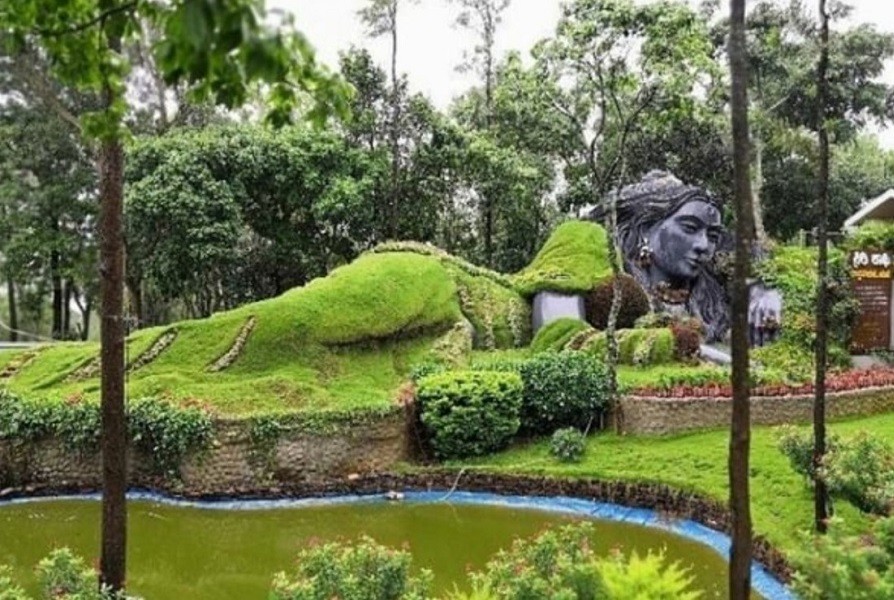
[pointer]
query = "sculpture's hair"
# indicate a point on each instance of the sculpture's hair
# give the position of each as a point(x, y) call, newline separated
point(643, 205)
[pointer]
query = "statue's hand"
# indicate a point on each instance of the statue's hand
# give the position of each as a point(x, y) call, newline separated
point(764, 314)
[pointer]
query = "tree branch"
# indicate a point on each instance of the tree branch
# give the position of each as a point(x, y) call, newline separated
point(87, 24)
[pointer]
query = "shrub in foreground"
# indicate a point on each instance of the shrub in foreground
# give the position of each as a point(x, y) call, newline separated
point(560, 564)
point(839, 567)
point(62, 576)
point(469, 413)
point(363, 571)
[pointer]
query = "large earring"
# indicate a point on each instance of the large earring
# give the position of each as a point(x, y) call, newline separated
point(644, 257)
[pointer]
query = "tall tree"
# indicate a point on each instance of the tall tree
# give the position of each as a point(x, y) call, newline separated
point(220, 49)
point(482, 17)
point(380, 18)
point(740, 435)
point(820, 499)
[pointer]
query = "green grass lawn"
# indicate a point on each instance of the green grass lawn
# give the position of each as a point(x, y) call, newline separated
point(781, 502)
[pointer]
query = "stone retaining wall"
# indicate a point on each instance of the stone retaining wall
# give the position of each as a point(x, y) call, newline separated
point(230, 466)
point(673, 415)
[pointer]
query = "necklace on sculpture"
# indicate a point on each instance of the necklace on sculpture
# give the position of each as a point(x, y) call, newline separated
point(669, 295)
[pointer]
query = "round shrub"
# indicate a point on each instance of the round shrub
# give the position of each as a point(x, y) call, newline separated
point(687, 341)
point(634, 303)
point(469, 413)
point(562, 389)
point(568, 445)
point(555, 335)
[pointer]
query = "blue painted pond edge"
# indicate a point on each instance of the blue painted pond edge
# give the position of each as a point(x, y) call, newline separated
point(762, 581)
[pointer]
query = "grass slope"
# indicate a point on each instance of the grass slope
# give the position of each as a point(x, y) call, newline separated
point(573, 260)
point(781, 502)
point(342, 342)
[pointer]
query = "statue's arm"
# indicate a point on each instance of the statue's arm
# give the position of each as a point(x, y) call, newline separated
point(764, 314)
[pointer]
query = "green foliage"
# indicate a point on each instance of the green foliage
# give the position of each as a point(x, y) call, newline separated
point(797, 446)
point(62, 576)
point(562, 389)
point(469, 413)
point(640, 347)
point(573, 260)
point(644, 577)
point(8, 588)
point(792, 270)
point(837, 566)
point(634, 303)
point(556, 335)
point(859, 469)
point(361, 571)
point(872, 235)
point(568, 445)
point(264, 433)
point(559, 564)
point(166, 433)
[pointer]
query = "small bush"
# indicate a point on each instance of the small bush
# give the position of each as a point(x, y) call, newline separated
point(859, 469)
point(61, 576)
point(568, 445)
point(361, 571)
point(555, 335)
point(634, 303)
point(560, 564)
point(839, 567)
point(562, 389)
point(469, 413)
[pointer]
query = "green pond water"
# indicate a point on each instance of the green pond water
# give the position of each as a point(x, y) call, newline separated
point(179, 553)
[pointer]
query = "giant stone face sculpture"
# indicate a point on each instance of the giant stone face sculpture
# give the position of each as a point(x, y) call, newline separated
point(669, 233)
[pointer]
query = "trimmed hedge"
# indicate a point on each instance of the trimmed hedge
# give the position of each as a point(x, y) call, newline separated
point(469, 413)
point(561, 389)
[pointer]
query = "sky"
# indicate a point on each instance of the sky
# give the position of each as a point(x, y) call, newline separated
point(430, 46)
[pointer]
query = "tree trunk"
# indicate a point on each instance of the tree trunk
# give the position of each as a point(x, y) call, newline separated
point(135, 287)
point(820, 499)
point(13, 309)
point(757, 186)
point(615, 309)
point(740, 560)
point(85, 318)
point(56, 278)
point(114, 431)
point(66, 309)
point(394, 204)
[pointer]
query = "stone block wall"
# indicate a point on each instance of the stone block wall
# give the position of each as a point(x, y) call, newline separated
point(659, 416)
point(230, 466)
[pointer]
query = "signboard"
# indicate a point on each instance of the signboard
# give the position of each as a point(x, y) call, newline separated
point(871, 273)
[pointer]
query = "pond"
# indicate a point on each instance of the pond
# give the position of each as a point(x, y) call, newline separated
point(231, 550)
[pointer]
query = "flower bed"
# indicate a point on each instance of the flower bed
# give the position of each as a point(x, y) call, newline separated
point(840, 381)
